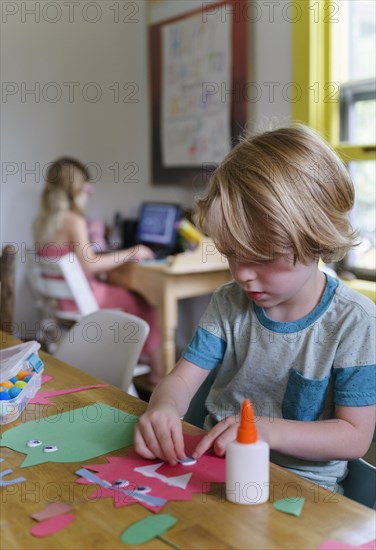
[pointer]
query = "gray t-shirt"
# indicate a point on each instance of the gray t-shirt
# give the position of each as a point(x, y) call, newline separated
point(294, 370)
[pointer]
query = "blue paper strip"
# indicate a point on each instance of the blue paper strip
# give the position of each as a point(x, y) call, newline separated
point(148, 499)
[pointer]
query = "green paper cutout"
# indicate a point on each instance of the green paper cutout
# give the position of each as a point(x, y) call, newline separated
point(147, 528)
point(293, 506)
point(79, 434)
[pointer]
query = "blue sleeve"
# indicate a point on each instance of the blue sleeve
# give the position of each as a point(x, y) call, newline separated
point(205, 349)
point(355, 386)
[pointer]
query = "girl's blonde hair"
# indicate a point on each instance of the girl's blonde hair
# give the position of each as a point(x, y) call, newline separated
point(283, 191)
point(63, 185)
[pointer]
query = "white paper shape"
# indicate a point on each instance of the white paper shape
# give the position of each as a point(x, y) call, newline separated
point(177, 481)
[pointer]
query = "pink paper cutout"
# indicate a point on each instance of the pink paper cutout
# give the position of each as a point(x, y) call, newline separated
point(52, 510)
point(46, 378)
point(336, 545)
point(52, 525)
point(40, 397)
point(209, 468)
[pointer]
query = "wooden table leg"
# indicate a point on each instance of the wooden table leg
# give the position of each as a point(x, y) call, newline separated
point(168, 323)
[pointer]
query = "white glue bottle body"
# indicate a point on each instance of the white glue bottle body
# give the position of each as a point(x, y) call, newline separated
point(247, 463)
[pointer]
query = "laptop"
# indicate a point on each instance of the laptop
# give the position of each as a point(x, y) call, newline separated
point(157, 227)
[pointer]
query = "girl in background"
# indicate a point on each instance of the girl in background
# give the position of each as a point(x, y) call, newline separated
point(61, 226)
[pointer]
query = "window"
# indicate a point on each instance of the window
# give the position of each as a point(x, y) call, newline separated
point(336, 41)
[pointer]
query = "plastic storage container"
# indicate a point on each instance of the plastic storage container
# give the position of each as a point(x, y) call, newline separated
point(22, 357)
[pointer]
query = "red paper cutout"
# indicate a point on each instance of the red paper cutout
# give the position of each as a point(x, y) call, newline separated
point(52, 525)
point(209, 468)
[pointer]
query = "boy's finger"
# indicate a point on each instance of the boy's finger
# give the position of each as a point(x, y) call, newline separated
point(178, 441)
point(203, 445)
point(167, 447)
point(208, 440)
point(152, 443)
point(221, 443)
point(141, 448)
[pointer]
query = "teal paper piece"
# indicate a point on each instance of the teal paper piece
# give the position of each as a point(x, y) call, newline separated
point(78, 434)
point(293, 506)
point(147, 529)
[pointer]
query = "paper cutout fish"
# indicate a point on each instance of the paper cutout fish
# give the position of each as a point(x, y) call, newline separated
point(78, 434)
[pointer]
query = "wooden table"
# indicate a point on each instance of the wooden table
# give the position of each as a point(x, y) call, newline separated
point(163, 284)
point(206, 522)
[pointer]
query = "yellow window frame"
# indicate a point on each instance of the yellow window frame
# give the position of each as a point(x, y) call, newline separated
point(314, 72)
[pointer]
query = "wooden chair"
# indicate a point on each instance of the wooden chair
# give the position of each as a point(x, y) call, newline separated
point(7, 280)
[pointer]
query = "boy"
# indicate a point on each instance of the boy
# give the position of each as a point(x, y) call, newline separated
point(297, 342)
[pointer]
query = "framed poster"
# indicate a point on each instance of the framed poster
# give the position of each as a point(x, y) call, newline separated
point(198, 67)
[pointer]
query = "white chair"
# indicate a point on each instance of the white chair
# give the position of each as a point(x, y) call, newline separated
point(106, 344)
point(53, 280)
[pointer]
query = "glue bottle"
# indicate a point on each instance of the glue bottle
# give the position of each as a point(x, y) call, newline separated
point(247, 463)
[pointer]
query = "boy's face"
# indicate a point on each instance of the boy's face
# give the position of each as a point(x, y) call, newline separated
point(278, 282)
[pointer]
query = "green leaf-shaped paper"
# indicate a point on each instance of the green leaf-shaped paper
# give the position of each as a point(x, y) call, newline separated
point(147, 528)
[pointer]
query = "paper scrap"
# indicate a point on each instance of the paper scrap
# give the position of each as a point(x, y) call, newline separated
point(337, 545)
point(147, 529)
point(52, 525)
point(12, 481)
point(174, 481)
point(46, 378)
point(41, 397)
point(52, 510)
point(293, 506)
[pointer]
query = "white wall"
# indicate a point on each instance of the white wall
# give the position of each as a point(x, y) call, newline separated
point(76, 58)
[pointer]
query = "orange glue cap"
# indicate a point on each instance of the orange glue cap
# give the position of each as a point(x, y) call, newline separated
point(247, 432)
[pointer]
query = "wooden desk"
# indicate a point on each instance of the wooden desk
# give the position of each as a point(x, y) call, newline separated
point(163, 284)
point(206, 522)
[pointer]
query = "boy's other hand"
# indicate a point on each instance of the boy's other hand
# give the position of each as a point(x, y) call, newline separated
point(219, 437)
point(159, 434)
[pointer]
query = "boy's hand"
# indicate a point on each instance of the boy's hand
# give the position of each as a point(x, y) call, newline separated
point(226, 431)
point(219, 437)
point(159, 434)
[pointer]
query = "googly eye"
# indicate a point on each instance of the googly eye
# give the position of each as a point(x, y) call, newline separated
point(143, 490)
point(120, 483)
point(34, 443)
point(50, 448)
point(187, 461)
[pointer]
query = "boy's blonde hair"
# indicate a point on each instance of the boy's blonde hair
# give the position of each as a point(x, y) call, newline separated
point(283, 191)
point(64, 182)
